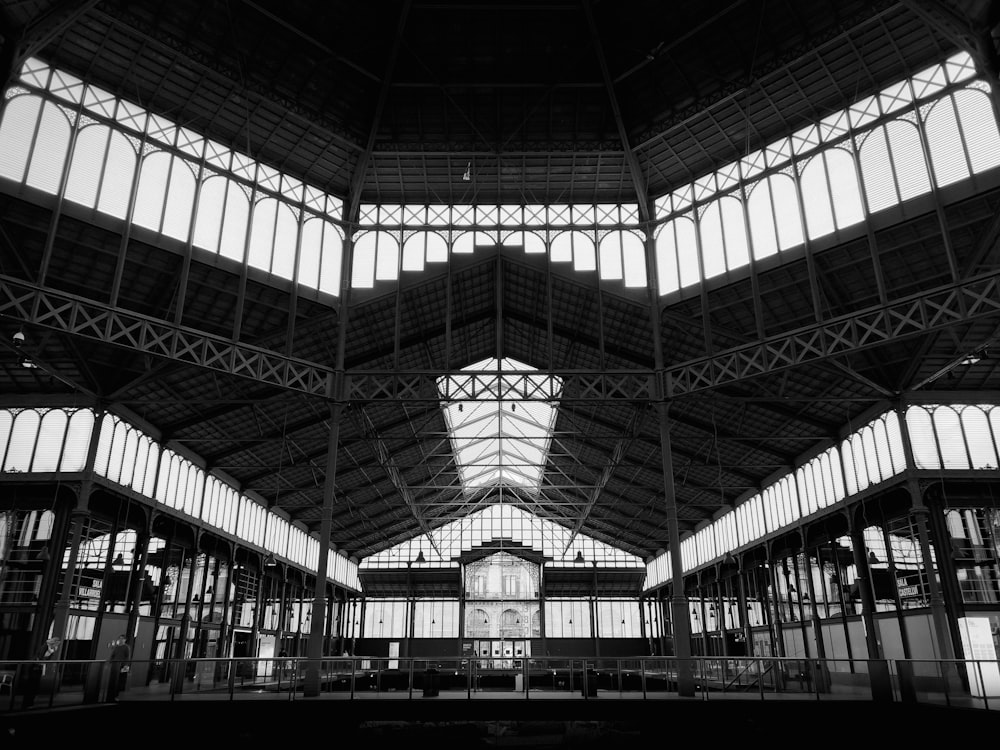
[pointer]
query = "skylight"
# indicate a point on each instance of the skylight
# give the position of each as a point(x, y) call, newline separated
point(500, 420)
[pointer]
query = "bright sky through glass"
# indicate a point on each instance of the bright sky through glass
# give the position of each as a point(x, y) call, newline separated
point(500, 421)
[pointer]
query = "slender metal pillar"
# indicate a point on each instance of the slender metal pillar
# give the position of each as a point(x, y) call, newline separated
point(921, 513)
point(78, 517)
point(314, 650)
point(872, 637)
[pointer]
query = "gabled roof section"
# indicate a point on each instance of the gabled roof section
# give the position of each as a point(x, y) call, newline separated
point(498, 525)
point(500, 420)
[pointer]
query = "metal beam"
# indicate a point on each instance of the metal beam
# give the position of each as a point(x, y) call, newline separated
point(933, 310)
point(634, 169)
point(144, 334)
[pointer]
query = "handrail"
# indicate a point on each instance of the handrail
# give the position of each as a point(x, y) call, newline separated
point(68, 682)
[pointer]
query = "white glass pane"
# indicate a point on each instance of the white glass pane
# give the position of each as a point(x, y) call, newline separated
point(850, 474)
point(286, 237)
point(561, 248)
point(895, 437)
point(152, 192)
point(262, 234)
point(951, 441)
point(844, 186)
point(735, 233)
point(944, 141)
point(85, 169)
point(22, 441)
point(51, 435)
point(979, 124)
point(979, 437)
point(180, 200)
point(816, 198)
point(634, 259)
point(786, 211)
point(763, 232)
point(908, 159)
point(713, 248)
point(208, 225)
point(876, 171)
point(141, 463)
point(584, 253)
point(610, 257)
point(81, 426)
point(688, 265)
point(20, 117)
point(387, 258)
point(310, 252)
point(152, 465)
point(332, 260)
point(922, 439)
point(414, 251)
point(117, 452)
point(232, 243)
point(48, 157)
point(363, 273)
point(119, 173)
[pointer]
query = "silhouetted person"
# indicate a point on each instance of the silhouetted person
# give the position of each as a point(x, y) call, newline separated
point(38, 669)
point(120, 660)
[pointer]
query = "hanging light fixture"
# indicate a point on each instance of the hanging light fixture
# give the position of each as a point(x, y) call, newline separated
point(119, 560)
point(270, 561)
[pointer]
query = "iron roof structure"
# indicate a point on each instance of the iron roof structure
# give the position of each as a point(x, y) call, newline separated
point(558, 102)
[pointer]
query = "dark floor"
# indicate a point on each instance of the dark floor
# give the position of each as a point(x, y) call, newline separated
point(611, 724)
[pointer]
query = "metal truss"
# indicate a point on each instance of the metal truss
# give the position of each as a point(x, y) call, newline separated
point(140, 333)
point(936, 309)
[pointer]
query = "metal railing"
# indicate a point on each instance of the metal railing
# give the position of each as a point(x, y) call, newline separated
point(965, 683)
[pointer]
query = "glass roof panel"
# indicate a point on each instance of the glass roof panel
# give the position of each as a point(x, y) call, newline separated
point(500, 424)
